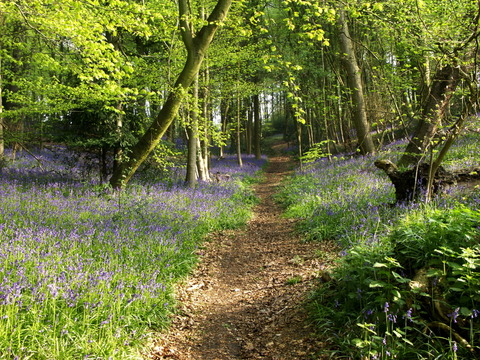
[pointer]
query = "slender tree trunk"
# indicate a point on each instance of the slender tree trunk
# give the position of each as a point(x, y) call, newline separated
point(16, 126)
point(299, 141)
point(202, 163)
point(196, 45)
point(440, 92)
point(362, 126)
point(118, 117)
point(20, 133)
point(309, 127)
point(257, 127)
point(239, 133)
point(287, 112)
point(191, 177)
point(103, 163)
point(193, 143)
point(249, 129)
point(117, 150)
point(205, 142)
point(337, 128)
point(224, 108)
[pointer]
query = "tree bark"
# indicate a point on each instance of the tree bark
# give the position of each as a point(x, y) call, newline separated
point(249, 129)
point(202, 162)
point(441, 90)
point(204, 152)
point(362, 126)
point(196, 45)
point(224, 109)
point(257, 127)
point(192, 145)
point(239, 133)
point(191, 176)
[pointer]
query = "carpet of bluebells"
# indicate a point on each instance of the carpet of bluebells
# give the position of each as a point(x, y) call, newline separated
point(87, 273)
point(376, 307)
point(348, 199)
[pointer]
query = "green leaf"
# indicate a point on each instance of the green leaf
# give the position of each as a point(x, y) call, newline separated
point(396, 295)
point(400, 278)
point(377, 284)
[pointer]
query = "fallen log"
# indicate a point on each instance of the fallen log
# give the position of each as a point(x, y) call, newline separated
point(412, 183)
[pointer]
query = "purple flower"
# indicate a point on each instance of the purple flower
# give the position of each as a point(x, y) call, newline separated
point(368, 313)
point(408, 314)
point(454, 346)
point(392, 318)
point(475, 313)
point(454, 315)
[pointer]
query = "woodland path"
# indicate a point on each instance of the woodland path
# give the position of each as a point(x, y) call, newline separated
point(246, 298)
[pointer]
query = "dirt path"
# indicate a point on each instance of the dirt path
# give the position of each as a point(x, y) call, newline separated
point(245, 300)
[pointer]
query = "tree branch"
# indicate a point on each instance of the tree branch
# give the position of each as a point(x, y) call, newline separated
point(185, 27)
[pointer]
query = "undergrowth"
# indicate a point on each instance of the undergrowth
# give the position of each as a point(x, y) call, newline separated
point(407, 281)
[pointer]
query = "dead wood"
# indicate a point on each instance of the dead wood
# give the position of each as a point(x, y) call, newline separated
point(411, 184)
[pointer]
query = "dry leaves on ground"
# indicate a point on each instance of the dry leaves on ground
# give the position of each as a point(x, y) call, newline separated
point(246, 298)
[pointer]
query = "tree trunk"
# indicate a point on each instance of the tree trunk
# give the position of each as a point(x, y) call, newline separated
point(103, 163)
point(204, 152)
point(299, 141)
point(257, 127)
point(249, 129)
point(202, 163)
point(193, 145)
point(362, 126)
point(117, 150)
point(191, 177)
point(309, 128)
point(440, 92)
point(239, 133)
point(196, 45)
point(224, 109)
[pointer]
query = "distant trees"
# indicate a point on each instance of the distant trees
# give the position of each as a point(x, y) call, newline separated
point(70, 60)
point(115, 78)
point(410, 69)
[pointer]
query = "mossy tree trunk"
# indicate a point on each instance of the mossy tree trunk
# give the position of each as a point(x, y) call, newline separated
point(355, 84)
point(435, 108)
point(196, 44)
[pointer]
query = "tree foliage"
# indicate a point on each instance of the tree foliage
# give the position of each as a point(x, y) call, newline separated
point(97, 73)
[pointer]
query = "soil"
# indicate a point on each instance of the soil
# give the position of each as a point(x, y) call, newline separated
point(247, 297)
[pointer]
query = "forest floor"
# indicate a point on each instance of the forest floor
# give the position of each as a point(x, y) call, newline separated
point(246, 298)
